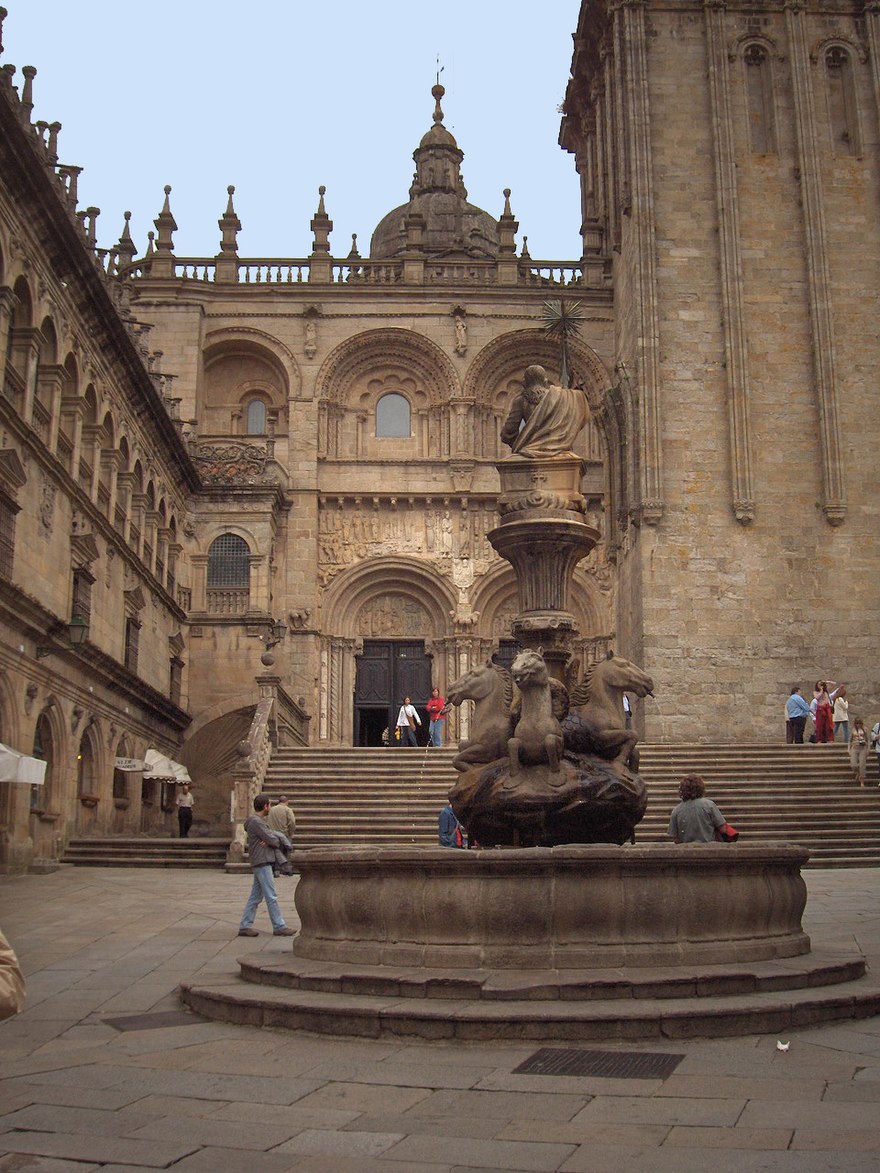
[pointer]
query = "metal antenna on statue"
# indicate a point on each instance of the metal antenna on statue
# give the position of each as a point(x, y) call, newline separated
point(562, 322)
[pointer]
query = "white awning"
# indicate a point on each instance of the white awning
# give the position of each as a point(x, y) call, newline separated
point(158, 766)
point(18, 767)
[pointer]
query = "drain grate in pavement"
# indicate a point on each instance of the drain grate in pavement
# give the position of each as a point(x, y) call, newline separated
point(154, 1021)
point(610, 1064)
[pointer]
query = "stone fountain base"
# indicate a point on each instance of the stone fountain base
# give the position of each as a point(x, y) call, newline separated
point(580, 906)
point(563, 943)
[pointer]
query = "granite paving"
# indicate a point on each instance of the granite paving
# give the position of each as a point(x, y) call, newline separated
point(78, 1095)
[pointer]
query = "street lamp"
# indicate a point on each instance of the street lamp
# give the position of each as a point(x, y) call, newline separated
point(276, 631)
point(77, 634)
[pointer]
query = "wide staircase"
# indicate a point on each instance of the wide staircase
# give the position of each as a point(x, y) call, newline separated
point(392, 796)
point(801, 794)
point(137, 851)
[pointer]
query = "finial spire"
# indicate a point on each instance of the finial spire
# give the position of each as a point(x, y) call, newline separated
point(125, 248)
point(437, 92)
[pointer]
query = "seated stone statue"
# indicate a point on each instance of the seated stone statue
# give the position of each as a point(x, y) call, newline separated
point(544, 419)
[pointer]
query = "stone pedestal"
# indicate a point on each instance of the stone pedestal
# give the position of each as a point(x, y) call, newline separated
point(543, 535)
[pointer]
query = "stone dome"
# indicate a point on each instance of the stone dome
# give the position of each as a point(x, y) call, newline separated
point(452, 226)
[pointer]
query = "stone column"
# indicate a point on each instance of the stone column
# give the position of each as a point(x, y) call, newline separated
point(639, 175)
point(815, 249)
point(7, 302)
point(733, 318)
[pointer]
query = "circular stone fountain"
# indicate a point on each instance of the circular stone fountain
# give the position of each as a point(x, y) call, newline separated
point(576, 907)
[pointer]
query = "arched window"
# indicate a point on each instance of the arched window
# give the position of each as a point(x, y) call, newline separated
point(842, 102)
point(229, 575)
point(255, 418)
point(393, 416)
point(86, 778)
point(43, 750)
point(759, 97)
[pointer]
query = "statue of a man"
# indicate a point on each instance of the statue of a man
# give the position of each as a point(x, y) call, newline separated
point(544, 419)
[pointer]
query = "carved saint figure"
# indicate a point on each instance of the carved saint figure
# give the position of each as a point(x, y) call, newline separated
point(544, 419)
point(461, 339)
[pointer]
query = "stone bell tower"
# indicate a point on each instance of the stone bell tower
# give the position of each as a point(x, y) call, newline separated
point(730, 186)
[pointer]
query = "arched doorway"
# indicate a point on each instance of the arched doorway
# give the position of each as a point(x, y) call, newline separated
point(386, 672)
point(390, 619)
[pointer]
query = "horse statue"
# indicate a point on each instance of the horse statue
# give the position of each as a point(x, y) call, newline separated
point(596, 724)
point(537, 737)
point(491, 688)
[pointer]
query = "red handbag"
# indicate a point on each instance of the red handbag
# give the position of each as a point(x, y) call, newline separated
point(726, 834)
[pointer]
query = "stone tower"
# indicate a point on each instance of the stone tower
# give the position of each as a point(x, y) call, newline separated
point(730, 177)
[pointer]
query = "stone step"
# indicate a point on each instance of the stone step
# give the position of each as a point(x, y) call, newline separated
point(817, 968)
point(634, 1017)
point(137, 852)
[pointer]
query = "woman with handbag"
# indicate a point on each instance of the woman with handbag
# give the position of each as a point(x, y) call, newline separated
point(697, 819)
point(407, 719)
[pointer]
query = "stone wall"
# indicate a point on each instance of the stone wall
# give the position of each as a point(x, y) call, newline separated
point(760, 571)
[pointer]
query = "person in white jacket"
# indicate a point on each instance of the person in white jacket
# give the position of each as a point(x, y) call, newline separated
point(407, 719)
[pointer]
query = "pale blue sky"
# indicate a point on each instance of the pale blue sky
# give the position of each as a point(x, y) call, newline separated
point(278, 97)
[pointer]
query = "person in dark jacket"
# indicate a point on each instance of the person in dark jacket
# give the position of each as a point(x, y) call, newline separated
point(262, 844)
point(449, 829)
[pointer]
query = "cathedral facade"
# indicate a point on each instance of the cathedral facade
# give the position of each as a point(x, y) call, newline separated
point(234, 486)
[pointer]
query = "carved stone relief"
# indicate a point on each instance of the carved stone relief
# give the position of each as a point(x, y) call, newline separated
point(440, 534)
point(392, 615)
point(47, 505)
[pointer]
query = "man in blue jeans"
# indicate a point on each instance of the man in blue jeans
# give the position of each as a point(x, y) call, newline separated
point(261, 851)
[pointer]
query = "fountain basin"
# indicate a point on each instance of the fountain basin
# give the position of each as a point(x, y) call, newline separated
point(578, 906)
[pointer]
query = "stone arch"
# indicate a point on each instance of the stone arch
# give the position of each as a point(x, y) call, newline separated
point(510, 354)
point(738, 46)
point(50, 728)
point(404, 578)
point(238, 367)
point(496, 373)
point(89, 760)
point(48, 340)
point(855, 49)
point(343, 378)
point(23, 307)
point(242, 338)
point(497, 600)
point(10, 729)
point(218, 529)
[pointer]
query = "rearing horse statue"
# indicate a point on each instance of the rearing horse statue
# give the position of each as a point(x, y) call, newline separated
point(537, 737)
point(597, 723)
point(491, 688)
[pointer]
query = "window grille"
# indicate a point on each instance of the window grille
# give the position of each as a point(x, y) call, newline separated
point(229, 562)
point(7, 536)
point(81, 607)
point(132, 637)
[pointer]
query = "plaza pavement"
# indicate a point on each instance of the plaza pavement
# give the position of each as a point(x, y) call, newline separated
point(78, 1093)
